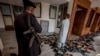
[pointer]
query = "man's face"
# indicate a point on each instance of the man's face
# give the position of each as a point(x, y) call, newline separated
point(31, 9)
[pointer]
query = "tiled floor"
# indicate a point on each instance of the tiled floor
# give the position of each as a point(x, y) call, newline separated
point(10, 45)
point(9, 42)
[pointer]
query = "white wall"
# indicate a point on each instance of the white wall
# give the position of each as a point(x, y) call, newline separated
point(95, 3)
point(45, 16)
point(70, 6)
point(52, 25)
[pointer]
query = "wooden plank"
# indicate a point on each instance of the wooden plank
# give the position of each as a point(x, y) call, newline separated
point(85, 3)
point(98, 10)
point(95, 23)
point(72, 19)
point(86, 31)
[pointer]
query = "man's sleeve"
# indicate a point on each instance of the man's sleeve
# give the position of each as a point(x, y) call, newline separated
point(36, 25)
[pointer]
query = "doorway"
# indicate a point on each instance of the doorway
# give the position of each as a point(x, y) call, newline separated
point(79, 20)
point(61, 12)
point(88, 25)
point(96, 23)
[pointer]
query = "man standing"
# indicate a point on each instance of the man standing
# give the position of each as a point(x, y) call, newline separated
point(63, 31)
point(21, 25)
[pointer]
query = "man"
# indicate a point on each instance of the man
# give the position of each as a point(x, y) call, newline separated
point(21, 25)
point(64, 31)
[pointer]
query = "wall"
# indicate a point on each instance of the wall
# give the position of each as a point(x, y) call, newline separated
point(70, 6)
point(44, 14)
point(95, 3)
point(14, 2)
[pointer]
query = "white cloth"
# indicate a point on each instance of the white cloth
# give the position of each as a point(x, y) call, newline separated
point(63, 32)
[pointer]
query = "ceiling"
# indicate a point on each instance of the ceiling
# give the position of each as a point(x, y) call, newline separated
point(95, 3)
point(48, 1)
point(52, 1)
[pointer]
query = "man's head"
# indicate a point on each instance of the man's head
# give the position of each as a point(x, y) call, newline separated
point(29, 6)
point(30, 9)
point(66, 16)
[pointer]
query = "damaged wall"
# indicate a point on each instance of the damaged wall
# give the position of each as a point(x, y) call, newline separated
point(95, 3)
point(44, 14)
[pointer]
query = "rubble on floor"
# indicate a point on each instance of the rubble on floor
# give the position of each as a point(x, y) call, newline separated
point(82, 44)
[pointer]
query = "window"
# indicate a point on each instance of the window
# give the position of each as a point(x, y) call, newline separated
point(17, 10)
point(5, 9)
point(52, 12)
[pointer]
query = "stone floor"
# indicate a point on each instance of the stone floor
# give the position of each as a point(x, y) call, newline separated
point(9, 43)
point(10, 46)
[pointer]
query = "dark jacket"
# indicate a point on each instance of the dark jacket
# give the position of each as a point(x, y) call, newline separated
point(21, 25)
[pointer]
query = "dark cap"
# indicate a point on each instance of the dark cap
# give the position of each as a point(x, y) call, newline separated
point(28, 3)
